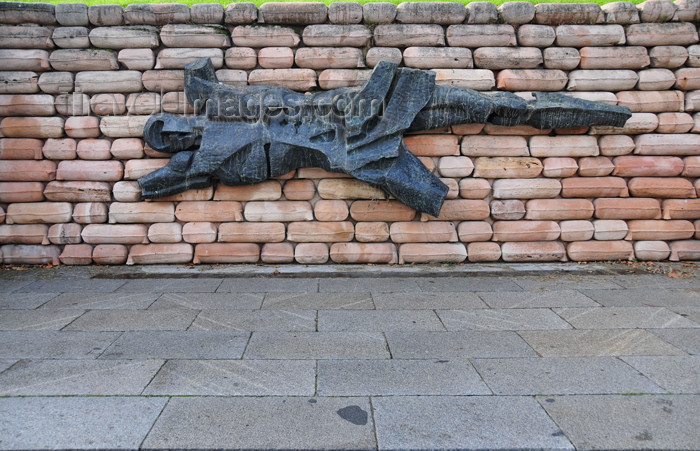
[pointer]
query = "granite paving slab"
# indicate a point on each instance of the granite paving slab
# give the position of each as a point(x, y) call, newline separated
point(195, 301)
point(677, 374)
point(37, 319)
point(378, 320)
point(26, 301)
point(592, 342)
point(429, 301)
point(690, 312)
point(122, 320)
point(70, 284)
point(379, 285)
point(78, 377)
point(268, 285)
point(644, 297)
point(264, 423)
point(76, 422)
point(10, 286)
point(108, 301)
point(49, 344)
point(627, 422)
point(6, 363)
point(623, 318)
point(501, 319)
point(562, 376)
point(658, 280)
point(685, 339)
point(184, 285)
point(318, 301)
point(317, 345)
point(567, 282)
point(468, 422)
point(398, 377)
point(260, 320)
point(464, 344)
point(235, 378)
point(177, 345)
point(536, 299)
point(452, 284)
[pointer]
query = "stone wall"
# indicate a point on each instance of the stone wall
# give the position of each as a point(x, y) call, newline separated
point(77, 85)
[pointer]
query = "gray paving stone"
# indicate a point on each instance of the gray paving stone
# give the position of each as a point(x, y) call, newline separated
point(465, 422)
point(250, 320)
point(677, 374)
point(5, 364)
point(502, 319)
point(452, 284)
point(121, 320)
point(37, 319)
point(25, 301)
point(686, 339)
point(74, 423)
point(74, 285)
point(656, 281)
point(317, 345)
point(78, 377)
point(379, 285)
point(398, 377)
point(318, 301)
point(623, 318)
point(448, 345)
point(10, 286)
point(49, 344)
point(245, 301)
point(264, 423)
point(178, 345)
point(690, 312)
point(102, 301)
point(562, 376)
point(184, 285)
point(429, 301)
point(627, 422)
point(537, 299)
point(589, 343)
point(235, 378)
point(567, 282)
point(268, 285)
point(644, 297)
point(377, 320)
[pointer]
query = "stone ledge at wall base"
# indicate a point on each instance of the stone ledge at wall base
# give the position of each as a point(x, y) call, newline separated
point(603, 193)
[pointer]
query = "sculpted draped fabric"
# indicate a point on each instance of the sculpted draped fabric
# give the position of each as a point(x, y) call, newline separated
point(248, 134)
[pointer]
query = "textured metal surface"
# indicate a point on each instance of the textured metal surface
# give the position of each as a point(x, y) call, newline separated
point(249, 134)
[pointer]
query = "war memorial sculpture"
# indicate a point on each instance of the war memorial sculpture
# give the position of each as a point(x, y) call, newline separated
point(245, 135)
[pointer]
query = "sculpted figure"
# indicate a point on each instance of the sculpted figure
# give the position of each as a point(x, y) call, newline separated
point(246, 135)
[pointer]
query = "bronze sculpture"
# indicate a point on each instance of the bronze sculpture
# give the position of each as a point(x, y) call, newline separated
point(246, 135)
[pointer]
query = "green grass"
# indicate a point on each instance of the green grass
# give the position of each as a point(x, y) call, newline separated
point(259, 2)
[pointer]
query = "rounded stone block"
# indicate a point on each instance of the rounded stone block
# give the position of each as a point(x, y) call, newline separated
point(363, 253)
point(533, 251)
point(432, 253)
point(595, 250)
point(145, 254)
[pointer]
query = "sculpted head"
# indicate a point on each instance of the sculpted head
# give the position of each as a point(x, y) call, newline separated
point(170, 133)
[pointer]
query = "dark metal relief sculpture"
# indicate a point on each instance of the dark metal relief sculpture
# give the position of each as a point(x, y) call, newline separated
point(248, 134)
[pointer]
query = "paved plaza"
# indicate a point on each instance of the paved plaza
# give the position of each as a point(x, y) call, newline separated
point(548, 356)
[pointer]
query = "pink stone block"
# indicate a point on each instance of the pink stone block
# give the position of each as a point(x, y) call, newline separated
point(326, 232)
point(27, 170)
point(76, 254)
point(559, 209)
point(599, 250)
point(30, 254)
point(371, 232)
point(311, 253)
point(331, 210)
point(432, 252)
point(483, 252)
point(423, 232)
point(109, 254)
point(533, 251)
point(525, 231)
point(145, 254)
point(98, 171)
point(277, 253)
point(199, 232)
point(363, 253)
point(252, 232)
